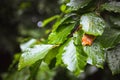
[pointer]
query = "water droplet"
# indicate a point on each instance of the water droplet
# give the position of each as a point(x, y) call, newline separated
point(39, 24)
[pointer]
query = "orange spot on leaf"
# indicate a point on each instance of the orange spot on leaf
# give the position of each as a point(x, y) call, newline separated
point(87, 40)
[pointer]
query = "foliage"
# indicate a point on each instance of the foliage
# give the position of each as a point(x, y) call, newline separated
point(112, 6)
point(113, 59)
point(79, 17)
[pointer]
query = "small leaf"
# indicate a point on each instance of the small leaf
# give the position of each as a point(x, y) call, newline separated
point(46, 21)
point(112, 6)
point(113, 59)
point(95, 54)
point(63, 8)
point(77, 36)
point(31, 55)
point(77, 4)
point(28, 44)
point(92, 24)
point(64, 20)
point(59, 36)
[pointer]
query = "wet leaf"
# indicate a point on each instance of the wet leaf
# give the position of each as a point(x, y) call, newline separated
point(59, 36)
point(110, 38)
point(112, 6)
point(92, 24)
point(113, 59)
point(95, 54)
point(77, 4)
point(73, 57)
point(31, 55)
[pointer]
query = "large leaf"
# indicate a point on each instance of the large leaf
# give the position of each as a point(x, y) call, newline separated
point(110, 38)
point(73, 58)
point(112, 6)
point(59, 36)
point(92, 24)
point(95, 54)
point(77, 4)
point(77, 41)
point(113, 59)
point(31, 55)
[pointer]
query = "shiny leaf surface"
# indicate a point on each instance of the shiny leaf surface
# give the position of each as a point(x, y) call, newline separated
point(92, 24)
point(31, 55)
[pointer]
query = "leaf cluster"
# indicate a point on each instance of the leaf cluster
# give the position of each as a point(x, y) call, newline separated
point(79, 17)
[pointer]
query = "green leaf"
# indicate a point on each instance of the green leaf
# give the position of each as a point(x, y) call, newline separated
point(34, 70)
point(63, 8)
point(73, 57)
point(77, 4)
point(15, 74)
point(60, 35)
point(115, 21)
point(65, 20)
point(44, 73)
point(16, 58)
point(113, 59)
point(46, 21)
point(111, 6)
point(95, 54)
point(51, 55)
point(62, 29)
point(110, 38)
point(59, 55)
point(77, 36)
point(31, 55)
point(28, 44)
point(92, 24)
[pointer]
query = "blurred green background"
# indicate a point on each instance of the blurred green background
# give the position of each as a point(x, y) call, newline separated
point(20, 20)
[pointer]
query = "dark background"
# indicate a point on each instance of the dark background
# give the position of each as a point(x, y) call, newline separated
point(18, 20)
